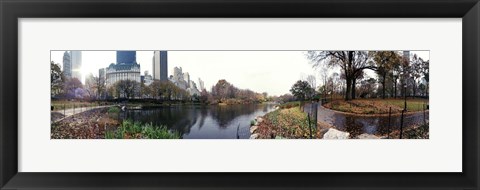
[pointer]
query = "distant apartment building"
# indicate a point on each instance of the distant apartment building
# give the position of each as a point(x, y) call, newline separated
point(180, 80)
point(67, 65)
point(147, 78)
point(202, 84)
point(160, 65)
point(186, 77)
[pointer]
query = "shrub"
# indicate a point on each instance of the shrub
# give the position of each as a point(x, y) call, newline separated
point(113, 109)
point(137, 130)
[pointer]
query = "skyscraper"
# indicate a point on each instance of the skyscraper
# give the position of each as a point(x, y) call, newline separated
point(101, 75)
point(156, 65)
point(160, 65)
point(67, 64)
point(202, 84)
point(127, 57)
point(186, 77)
point(76, 60)
point(163, 66)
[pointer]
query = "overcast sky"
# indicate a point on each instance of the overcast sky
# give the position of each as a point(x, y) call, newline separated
point(273, 72)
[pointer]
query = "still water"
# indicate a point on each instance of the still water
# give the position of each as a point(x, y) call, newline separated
point(203, 122)
point(375, 125)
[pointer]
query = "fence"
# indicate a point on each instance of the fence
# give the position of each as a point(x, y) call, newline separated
point(312, 114)
point(312, 110)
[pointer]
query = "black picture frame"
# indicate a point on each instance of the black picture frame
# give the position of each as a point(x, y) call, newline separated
point(11, 10)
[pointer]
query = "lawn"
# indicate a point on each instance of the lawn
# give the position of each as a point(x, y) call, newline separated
point(377, 106)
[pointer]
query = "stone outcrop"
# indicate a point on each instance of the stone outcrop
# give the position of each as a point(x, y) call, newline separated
point(336, 134)
point(367, 136)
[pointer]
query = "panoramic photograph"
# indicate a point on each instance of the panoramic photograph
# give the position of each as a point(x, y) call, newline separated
point(128, 94)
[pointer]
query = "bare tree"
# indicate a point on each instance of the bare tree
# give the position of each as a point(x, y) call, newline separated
point(352, 64)
point(312, 81)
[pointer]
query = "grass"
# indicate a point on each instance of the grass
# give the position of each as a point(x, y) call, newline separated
point(289, 104)
point(137, 130)
point(377, 106)
point(289, 123)
point(113, 109)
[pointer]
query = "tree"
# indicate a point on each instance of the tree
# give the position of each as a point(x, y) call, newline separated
point(91, 85)
point(352, 64)
point(426, 74)
point(101, 87)
point(223, 90)
point(302, 90)
point(57, 79)
point(367, 88)
point(204, 96)
point(312, 81)
point(145, 90)
point(156, 90)
point(127, 88)
point(416, 72)
point(384, 61)
point(73, 88)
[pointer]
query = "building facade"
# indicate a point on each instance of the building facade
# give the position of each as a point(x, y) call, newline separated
point(160, 65)
point(147, 78)
point(76, 61)
point(67, 65)
point(127, 57)
point(126, 69)
point(201, 84)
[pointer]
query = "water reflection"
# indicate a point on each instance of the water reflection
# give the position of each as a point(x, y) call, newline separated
point(203, 122)
point(357, 125)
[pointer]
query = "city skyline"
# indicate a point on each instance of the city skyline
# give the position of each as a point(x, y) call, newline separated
point(255, 70)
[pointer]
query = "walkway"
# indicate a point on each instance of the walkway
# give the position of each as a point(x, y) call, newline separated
point(69, 112)
point(357, 125)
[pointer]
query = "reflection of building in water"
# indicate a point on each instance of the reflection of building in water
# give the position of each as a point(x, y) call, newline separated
point(126, 68)
point(182, 80)
point(76, 61)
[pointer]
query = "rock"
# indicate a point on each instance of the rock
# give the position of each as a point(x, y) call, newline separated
point(335, 134)
point(367, 136)
point(253, 129)
point(254, 136)
point(259, 120)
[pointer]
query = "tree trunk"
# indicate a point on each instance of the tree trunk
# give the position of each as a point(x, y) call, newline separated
point(414, 88)
point(347, 91)
point(353, 88)
point(383, 85)
point(395, 84)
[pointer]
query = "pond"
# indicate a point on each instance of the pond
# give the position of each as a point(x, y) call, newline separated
point(376, 125)
point(203, 122)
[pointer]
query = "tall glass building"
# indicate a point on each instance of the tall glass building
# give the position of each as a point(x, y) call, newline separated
point(128, 57)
